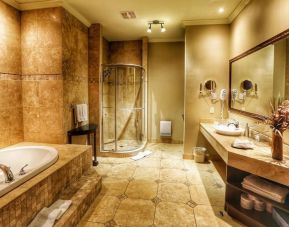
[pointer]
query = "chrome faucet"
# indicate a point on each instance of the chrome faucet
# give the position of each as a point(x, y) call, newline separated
point(9, 177)
point(234, 122)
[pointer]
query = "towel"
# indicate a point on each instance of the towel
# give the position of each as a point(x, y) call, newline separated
point(61, 205)
point(141, 155)
point(47, 216)
point(243, 144)
point(265, 188)
point(82, 112)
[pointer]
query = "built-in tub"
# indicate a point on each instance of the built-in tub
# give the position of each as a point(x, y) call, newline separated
point(38, 158)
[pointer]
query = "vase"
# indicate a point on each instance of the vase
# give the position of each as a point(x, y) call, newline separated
point(277, 146)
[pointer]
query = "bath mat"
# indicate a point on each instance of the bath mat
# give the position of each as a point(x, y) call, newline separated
point(141, 155)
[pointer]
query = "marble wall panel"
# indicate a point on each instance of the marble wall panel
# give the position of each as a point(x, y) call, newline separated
point(74, 68)
point(11, 123)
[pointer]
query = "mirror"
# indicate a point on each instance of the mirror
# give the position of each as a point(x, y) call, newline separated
point(247, 86)
point(210, 85)
point(260, 76)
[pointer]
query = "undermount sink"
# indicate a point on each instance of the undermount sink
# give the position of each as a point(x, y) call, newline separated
point(228, 130)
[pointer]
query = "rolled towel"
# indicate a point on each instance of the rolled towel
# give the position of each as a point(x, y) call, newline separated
point(243, 144)
point(45, 218)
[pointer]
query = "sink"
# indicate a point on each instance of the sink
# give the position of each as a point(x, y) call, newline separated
point(228, 130)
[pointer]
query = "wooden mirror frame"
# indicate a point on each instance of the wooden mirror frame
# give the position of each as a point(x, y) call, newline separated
point(280, 36)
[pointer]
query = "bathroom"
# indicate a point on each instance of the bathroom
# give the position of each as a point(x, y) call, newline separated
point(146, 113)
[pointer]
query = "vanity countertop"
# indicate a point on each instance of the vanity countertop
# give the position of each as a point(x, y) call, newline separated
point(257, 161)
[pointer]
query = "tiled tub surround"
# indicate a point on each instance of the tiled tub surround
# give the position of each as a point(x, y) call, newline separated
point(72, 171)
point(159, 190)
point(11, 122)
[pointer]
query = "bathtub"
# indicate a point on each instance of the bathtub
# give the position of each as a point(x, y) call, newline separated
point(38, 159)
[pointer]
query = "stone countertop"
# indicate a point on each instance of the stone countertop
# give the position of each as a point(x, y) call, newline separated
point(257, 161)
point(66, 153)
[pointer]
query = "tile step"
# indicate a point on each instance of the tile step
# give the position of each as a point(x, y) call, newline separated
point(82, 193)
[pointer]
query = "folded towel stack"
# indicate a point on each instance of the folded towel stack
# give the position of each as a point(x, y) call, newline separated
point(265, 188)
point(47, 216)
point(243, 144)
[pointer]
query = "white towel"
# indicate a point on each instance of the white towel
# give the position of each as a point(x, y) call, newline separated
point(61, 205)
point(141, 155)
point(243, 144)
point(47, 216)
point(82, 112)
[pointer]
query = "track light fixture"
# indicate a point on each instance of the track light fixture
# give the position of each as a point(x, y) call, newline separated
point(156, 22)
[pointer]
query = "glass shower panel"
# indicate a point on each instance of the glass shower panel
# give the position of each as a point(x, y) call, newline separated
point(123, 108)
point(129, 93)
point(108, 109)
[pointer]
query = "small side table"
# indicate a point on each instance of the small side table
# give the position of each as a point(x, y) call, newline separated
point(85, 130)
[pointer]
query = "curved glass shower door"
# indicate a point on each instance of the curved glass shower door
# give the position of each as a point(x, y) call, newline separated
point(123, 108)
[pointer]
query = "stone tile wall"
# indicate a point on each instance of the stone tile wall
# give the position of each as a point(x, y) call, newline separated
point(11, 124)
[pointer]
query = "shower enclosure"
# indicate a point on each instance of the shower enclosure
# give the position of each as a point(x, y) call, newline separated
point(123, 108)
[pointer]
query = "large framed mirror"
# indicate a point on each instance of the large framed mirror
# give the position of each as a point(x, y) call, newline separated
point(260, 77)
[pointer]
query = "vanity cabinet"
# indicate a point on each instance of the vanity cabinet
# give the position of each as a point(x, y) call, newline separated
point(241, 163)
point(234, 190)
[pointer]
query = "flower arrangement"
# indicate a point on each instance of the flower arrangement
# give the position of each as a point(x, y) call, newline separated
point(278, 122)
point(279, 119)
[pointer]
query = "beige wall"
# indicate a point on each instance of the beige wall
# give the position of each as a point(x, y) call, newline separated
point(11, 122)
point(259, 21)
point(206, 57)
point(166, 88)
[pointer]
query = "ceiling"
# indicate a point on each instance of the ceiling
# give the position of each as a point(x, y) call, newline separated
point(175, 14)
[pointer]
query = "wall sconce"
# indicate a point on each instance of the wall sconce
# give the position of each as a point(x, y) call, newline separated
point(156, 22)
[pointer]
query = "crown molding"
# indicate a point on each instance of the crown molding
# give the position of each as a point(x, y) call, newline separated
point(75, 13)
point(205, 22)
point(166, 40)
point(238, 10)
point(12, 3)
point(23, 6)
point(229, 20)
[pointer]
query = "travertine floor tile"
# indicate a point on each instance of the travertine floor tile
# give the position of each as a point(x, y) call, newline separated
point(135, 212)
point(122, 170)
point(174, 192)
point(174, 214)
point(147, 173)
point(172, 155)
point(173, 175)
point(172, 164)
point(194, 177)
point(105, 209)
point(142, 189)
point(92, 224)
point(114, 186)
point(103, 169)
point(149, 162)
point(199, 194)
point(205, 216)
point(159, 190)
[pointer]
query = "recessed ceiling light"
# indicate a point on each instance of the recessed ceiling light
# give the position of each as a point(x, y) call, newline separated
point(221, 10)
